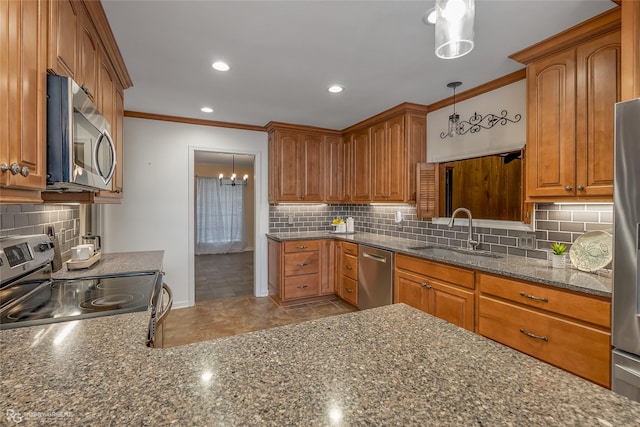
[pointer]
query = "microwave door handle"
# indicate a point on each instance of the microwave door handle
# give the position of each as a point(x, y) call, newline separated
point(105, 137)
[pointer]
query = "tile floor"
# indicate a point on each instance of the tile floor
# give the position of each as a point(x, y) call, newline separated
point(223, 275)
point(219, 318)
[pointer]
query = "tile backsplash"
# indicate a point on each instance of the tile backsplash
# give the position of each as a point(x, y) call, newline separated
point(553, 223)
point(33, 219)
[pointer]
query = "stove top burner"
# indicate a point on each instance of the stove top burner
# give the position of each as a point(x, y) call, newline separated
point(113, 302)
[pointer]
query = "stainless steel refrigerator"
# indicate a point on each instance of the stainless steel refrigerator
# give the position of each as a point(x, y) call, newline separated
point(626, 255)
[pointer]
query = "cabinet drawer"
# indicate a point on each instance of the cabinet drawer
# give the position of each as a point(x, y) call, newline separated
point(350, 266)
point(350, 290)
point(302, 246)
point(579, 349)
point(307, 285)
point(582, 307)
point(301, 263)
point(350, 248)
point(459, 276)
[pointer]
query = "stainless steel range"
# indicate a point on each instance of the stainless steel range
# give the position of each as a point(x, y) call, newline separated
point(28, 295)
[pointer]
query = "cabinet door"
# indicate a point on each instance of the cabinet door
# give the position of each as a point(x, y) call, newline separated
point(361, 162)
point(551, 127)
point(312, 165)
point(380, 162)
point(327, 266)
point(274, 267)
point(349, 290)
point(347, 175)
point(334, 157)
point(411, 289)
point(416, 139)
point(23, 85)
point(273, 168)
point(288, 172)
point(452, 304)
point(598, 82)
point(87, 55)
point(63, 37)
point(396, 160)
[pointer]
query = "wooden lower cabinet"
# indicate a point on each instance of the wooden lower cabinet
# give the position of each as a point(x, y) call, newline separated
point(301, 271)
point(438, 289)
point(563, 328)
point(348, 270)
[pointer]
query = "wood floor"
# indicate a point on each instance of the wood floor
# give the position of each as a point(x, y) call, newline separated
point(225, 304)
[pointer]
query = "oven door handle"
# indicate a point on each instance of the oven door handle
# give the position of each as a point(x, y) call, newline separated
point(159, 312)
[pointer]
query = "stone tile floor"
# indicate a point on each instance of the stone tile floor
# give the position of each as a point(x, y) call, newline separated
point(219, 318)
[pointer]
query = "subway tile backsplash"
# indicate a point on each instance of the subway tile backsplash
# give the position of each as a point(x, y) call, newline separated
point(33, 219)
point(553, 223)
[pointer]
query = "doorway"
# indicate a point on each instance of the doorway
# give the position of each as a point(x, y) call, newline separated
point(224, 225)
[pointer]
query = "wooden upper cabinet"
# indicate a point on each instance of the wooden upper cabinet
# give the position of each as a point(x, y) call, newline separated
point(389, 173)
point(551, 130)
point(334, 158)
point(347, 168)
point(598, 77)
point(64, 21)
point(23, 100)
point(87, 76)
point(573, 82)
point(361, 166)
point(296, 165)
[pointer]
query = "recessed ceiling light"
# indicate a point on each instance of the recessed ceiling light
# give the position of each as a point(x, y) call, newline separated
point(206, 110)
point(430, 16)
point(220, 66)
point(335, 88)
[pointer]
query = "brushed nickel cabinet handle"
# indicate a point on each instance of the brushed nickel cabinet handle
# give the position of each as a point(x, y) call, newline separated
point(349, 290)
point(302, 264)
point(349, 267)
point(24, 171)
point(533, 297)
point(568, 188)
point(580, 187)
point(301, 247)
point(529, 334)
point(302, 286)
point(426, 285)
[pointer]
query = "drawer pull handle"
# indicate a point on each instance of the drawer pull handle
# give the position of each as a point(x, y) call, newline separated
point(529, 334)
point(426, 285)
point(543, 299)
point(302, 286)
point(302, 264)
point(301, 247)
point(350, 290)
point(349, 267)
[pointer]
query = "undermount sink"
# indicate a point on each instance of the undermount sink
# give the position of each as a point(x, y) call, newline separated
point(446, 250)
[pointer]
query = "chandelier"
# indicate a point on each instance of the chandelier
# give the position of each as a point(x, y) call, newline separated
point(232, 180)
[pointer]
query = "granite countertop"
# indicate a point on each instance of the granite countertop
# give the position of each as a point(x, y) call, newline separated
point(392, 365)
point(517, 267)
point(116, 263)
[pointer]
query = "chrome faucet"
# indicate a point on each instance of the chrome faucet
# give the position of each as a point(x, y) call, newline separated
point(471, 244)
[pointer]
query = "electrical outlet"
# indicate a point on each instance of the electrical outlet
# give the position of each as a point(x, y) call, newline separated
point(290, 220)
point(527, 242)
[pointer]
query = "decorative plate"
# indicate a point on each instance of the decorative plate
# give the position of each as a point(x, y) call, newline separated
point(592, 251)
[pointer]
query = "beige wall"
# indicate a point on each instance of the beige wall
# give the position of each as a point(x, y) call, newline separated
point(212, 170)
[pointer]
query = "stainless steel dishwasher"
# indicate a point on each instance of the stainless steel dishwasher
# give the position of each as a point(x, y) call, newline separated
point(375, 277)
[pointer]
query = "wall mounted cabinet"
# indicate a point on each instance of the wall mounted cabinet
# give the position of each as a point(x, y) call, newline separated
point(573, 82)
point(23, 56)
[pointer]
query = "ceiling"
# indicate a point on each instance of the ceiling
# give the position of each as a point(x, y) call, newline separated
point(284, 54)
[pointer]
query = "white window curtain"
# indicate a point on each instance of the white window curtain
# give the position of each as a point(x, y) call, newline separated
point(220, 217)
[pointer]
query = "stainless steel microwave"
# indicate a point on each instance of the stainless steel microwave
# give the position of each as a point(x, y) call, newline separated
point(81, 154)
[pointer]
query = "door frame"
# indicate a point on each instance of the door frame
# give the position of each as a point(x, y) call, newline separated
point(261, 217)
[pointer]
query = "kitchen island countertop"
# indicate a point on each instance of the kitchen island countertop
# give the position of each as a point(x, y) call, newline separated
point(393, 365)
point(116, 263)
point(599, 283)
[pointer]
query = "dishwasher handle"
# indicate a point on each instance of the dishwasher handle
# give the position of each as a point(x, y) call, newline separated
point(374, 257)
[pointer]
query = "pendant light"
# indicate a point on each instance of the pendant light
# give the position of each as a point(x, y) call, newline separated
point(454, 28)
point(454, 119)
point(232, 180)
